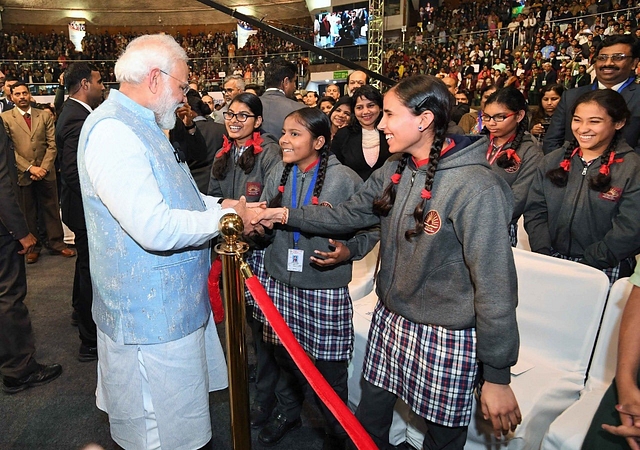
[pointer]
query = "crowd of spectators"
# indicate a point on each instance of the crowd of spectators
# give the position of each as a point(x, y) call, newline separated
point(478, 42)
point(485, 42)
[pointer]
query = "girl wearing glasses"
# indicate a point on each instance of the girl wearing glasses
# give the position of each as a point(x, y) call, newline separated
point(239, 169)
point(512, 152)
point(584, 202)
point(438, 206)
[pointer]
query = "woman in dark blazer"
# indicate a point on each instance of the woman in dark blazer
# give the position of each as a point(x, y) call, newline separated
point(360, 145)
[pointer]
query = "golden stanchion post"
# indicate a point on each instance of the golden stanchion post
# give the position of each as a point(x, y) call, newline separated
point(230, 252)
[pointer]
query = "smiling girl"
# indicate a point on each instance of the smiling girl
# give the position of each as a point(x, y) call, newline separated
point(447, 282)
point(512, 152)
point(239, 169)
point(584, 203)
point(361, 146)
point(307, 286)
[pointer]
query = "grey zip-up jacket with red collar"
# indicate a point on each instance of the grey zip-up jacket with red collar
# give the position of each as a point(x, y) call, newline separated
point(601, 228)
point(458, 272)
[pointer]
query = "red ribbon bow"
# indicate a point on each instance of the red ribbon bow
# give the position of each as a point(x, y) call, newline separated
point(314, 200)
point(425, 194)
point(255, 141)
point(604, 169)
point(511, 154)
point(395, 178)
point(281, 189)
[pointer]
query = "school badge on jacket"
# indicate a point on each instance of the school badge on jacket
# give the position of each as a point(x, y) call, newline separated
point(432, 222)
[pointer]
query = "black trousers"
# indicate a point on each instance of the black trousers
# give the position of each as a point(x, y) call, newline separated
point(267, 370)
point(292, 383)
point(17, 345)
point(375, 413)
point(82, 297)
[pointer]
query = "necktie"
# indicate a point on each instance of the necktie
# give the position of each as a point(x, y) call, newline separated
point(27, 118)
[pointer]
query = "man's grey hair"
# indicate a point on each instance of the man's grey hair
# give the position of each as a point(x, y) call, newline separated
point(148, 52)
point(239, 81)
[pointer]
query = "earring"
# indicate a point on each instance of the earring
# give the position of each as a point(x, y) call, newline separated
point(420, 128)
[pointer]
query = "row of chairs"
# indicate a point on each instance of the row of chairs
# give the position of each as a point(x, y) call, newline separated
point(568, 322)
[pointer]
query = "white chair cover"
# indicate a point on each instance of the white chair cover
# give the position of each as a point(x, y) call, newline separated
point(363, 272)
point(568, 430)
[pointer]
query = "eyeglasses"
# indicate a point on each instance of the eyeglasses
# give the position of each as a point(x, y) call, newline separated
point(183, 85)
point(616, 57)
point(497, 118)
point(240, 117)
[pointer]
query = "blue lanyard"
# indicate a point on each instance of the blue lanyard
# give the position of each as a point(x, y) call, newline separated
point(307, 198)
point(479, 122)
point(626, 83)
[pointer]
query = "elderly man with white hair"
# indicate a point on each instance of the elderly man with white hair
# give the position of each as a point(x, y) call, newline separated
point(149, 230)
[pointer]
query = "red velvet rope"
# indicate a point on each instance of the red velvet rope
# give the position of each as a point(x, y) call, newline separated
point(356, 432)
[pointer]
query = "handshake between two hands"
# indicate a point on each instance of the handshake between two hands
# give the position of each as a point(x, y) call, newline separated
point(255, 215)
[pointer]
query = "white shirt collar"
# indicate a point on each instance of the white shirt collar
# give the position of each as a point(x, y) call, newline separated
point(615, 88)
point(22, 113)
point(89, 108)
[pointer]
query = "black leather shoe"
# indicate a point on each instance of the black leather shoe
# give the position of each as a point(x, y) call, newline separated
point(259, 415)
point(277, 429)
point(87, 353)
point(42, 375)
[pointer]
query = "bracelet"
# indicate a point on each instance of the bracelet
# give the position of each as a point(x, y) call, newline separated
point(285, 216)
point(190, 127)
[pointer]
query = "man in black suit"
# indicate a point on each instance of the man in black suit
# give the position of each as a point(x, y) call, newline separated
point(18, 366)
point(84, 84)
point(6, 103)
point(610, 74)
point(280, 83)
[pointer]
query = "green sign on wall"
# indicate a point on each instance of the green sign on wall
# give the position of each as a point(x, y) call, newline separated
point(340, 74)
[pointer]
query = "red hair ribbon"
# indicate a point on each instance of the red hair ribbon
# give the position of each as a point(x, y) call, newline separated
point(255, 141)
point(314, 200)
point(604, 169)
point(395, 178)
point(281, 189)
point(226, 146)
point(425, 194)
point(511, 154)
point(566, 163)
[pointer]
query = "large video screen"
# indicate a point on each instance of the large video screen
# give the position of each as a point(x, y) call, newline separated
point(345, 25)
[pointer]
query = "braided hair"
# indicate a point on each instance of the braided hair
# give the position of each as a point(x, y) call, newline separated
point(419, 93)
point(247, 160)
point(513, 100)
point(616, 107)
point(317, 123)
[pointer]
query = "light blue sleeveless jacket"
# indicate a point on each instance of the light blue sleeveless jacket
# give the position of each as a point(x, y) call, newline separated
point(156, 296)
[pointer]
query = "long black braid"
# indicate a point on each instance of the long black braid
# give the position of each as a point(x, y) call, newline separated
point(560, 176)
point(277, 200)
point(434, 159)
point(383, 204)
point(602, 181)
point(504, 161)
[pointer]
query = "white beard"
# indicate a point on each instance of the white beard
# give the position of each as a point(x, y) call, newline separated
point(165, 110)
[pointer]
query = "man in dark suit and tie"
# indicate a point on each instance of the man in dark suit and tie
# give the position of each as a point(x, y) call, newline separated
point(615, 63)
point(33, 135)
point(280, 83)
point(84, 84)
point(18, 367)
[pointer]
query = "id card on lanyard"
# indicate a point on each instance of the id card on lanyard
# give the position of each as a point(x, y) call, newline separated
point(295, 256)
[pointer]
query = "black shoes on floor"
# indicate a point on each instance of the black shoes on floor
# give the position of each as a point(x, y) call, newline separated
point(277, 429)
point(42, 375)
point(87, 353)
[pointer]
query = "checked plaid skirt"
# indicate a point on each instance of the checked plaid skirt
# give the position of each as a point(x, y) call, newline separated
point(320, 319)
point(431, 368)
point(613, 273)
